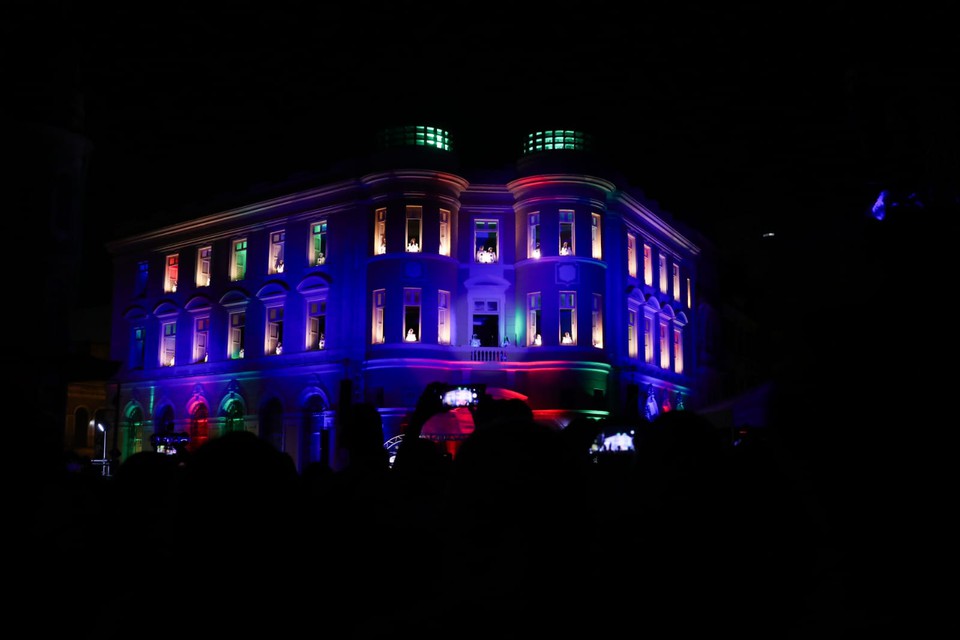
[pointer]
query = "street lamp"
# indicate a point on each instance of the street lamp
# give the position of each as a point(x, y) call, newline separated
point(104, 462)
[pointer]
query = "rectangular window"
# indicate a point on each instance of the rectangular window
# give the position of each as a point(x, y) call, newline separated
point(203, 266)
point(663, 273)
point(689, 294)
point(596, 321)
point(568, 317)
point(168, 344)
point(201, 333)
point(380, 232)
point(143, 271)
point(138, 341)
point(238, 327)
point(595, 237)
point(534, 338)
point(485, 241)
point(277, 239)
point(677, 350)
point(274, 332)
point(379, 302)
point(485, 323)
point(318, 243)
point(171, 274)
point(414, 228)
point(648, 340)
point(411, 315)
point(238, 262)
point(533, 236)
point(444, 232)
point(317, 325)
point(676, 282)
point(443, 317)
point(567, 247)
point(664, 345)
point(631, 333)
point(647, 265)
point(631, 255)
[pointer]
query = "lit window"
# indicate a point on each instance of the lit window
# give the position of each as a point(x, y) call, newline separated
point(689, 294)
point(238, 326)
point(274, 332)
point(380, 233)
point(414, 228)
point(143, 270)
point(171, 274)
point(444, 232)
point(443, 317)
point(663, 273)
point(534, 338)
point(379, 301)
point(678, 349)
point(411, 315)
point(168, 345)
point(203, 266)
point(595, 237)
point(568, 317)
point(201, 333)
point(632, 333)
point(664, 345)
point(277, 240)
point(676, 281)
point(317, 325)
point(596, 321)
point(238, 264)
point(647, 265)
point(631, 255)
point(485, 241)
point(567, 246)
point(318, 243)
point(533, 236)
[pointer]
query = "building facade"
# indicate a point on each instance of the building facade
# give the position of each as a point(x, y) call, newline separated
point(551, 281)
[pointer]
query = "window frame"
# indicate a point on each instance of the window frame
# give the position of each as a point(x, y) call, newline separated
point(319, 249)
point(203, 273)
point(278, 239)
point(238, 259)
point(171, 273)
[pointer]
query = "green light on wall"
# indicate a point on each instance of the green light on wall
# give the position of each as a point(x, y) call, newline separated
point(415, 136)
point(557, 139)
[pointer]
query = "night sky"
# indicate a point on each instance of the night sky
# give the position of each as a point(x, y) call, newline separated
point(737, 119)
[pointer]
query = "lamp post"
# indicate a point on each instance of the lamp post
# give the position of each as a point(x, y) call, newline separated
point(104, 462)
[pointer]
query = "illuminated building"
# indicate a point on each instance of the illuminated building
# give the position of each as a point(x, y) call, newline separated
point(270, 315)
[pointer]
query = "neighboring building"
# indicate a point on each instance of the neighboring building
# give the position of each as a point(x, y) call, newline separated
point(272, 315)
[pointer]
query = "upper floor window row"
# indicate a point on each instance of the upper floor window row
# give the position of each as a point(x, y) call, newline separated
point(413, 228)
point(203, 267)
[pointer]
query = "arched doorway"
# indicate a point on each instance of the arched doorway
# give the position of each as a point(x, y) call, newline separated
point(133, 432)
point(199, 427)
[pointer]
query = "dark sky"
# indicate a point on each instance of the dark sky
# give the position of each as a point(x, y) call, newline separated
point(732, 116)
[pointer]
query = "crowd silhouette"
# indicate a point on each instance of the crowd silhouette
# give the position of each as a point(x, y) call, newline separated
point(524, 532)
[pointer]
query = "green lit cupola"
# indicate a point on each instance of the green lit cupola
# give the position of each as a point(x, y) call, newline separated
point(557, 140)
point(414, 136)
